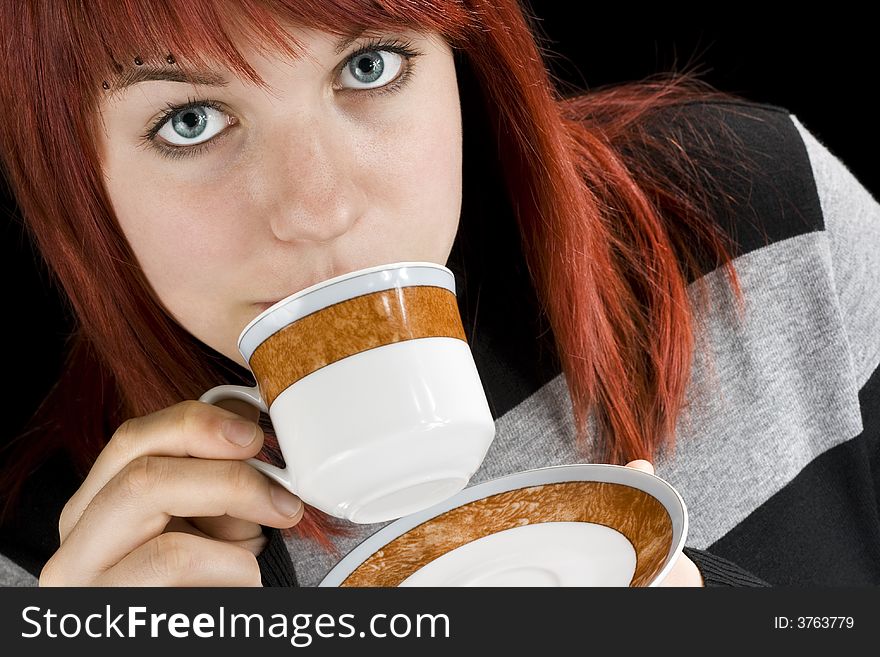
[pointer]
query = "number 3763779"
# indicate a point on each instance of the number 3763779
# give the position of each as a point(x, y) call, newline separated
point(813, 622)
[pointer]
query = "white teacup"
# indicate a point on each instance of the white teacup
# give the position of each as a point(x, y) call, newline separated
point(372, 391)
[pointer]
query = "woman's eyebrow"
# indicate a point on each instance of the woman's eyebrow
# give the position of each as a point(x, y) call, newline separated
point(148, 74)
point(200, 78)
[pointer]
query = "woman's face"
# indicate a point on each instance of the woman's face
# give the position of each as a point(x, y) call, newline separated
point(272, 190)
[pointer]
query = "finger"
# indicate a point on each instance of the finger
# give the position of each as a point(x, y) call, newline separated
point(641, 464)
point(136, 505)
point(683, 573)
point(181, 559)
point(227, 528)
point(190, 428)
point(255, 541)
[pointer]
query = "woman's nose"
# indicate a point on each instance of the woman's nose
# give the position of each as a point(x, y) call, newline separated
point(312, 186)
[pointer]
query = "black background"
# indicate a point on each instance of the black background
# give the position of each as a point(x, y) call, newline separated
point(820, 67)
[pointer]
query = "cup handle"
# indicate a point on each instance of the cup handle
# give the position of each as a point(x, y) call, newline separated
point(251, 396)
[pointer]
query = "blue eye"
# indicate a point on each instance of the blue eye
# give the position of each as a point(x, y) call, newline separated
point(193, 125)
point(191, 128)
point(370, 68)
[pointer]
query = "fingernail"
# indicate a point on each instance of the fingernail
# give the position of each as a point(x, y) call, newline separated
point(285, 501)
point(239, 432)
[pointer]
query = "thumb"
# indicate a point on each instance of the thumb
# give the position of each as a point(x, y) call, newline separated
point(248, 411)
point(641, 464)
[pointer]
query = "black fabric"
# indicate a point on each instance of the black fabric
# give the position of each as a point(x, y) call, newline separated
point(30, 536)
point(276, 568)
point(717, 571)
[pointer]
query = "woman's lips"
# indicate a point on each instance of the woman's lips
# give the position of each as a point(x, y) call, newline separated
point(265, 305)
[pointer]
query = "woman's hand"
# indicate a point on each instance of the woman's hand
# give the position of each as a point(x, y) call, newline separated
point(685, 571)
point(170, 502)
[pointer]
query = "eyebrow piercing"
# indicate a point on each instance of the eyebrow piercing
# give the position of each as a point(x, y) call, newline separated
point(139, 62)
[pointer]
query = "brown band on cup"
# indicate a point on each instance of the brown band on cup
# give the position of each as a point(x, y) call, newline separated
point(350, 327)
point(632, 512)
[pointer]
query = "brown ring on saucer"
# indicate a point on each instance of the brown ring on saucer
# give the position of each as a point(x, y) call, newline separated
point(350, 327)
point(640, 517)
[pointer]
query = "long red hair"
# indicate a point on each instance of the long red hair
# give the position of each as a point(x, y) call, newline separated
point(611, 219)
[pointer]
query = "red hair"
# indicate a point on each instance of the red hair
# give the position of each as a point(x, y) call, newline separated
point(611, 218)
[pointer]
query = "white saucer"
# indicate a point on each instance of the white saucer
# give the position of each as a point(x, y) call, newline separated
point(543, 554)
point(536, 534)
